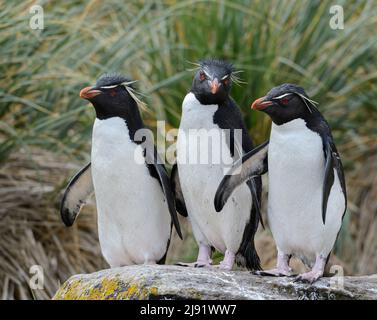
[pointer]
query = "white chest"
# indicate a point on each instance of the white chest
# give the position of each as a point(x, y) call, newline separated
point(199, 147)
point(112, 149)
point(200, 140)
point(295, 153)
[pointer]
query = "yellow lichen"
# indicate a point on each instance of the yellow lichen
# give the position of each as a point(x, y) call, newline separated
point(69, 290)
point(105, 289)
point(132, 289)
point(154, 291)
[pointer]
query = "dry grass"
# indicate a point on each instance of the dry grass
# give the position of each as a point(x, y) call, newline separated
point(31, 232)
point(365, 218)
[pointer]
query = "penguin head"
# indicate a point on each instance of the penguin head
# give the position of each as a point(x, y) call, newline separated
point(285, 103)
point(212, 81)
point(111, 96)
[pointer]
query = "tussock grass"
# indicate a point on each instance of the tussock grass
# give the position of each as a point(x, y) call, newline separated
point(31, 232)
point(152, 41)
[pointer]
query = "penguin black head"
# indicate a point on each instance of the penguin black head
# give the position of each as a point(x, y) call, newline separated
point(285, 103)
point(111, 96)
point(212, 82)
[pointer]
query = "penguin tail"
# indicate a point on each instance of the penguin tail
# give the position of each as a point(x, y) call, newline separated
point(247, 257)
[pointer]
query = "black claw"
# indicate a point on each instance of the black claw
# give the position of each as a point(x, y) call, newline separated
point(302, 280)
point(196, 265)
point(259, 273)
point(266, 274)
point(181, 264)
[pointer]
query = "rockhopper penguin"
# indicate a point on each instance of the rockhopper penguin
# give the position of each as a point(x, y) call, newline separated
point(135, 203)
point(307, 192)
point(208, 109)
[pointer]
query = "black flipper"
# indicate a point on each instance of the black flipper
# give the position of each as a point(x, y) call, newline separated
point(256, 199)
point(332, 160)
point(328, 180)
point(319, 125)
point(252, 164)
point(155, 164)
point(78, 190)
point(339, 169)
point(176, 188)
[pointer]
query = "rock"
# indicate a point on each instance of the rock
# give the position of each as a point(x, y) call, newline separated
point(174, 282)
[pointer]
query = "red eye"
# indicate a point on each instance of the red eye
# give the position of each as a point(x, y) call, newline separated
point(202, 76)
point(226, 82)
point(284, 101)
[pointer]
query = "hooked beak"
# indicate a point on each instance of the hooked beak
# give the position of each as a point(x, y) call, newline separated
point(261, 104)
point(215, 85)
point(89, 92)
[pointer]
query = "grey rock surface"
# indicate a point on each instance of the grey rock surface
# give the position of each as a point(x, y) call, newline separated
point(174, 282)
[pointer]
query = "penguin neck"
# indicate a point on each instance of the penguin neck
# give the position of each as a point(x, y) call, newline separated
point(134, 123)
point(312, 121)
point(310, 118)
point(130, 115)
point(289, 126)
point(209, 98)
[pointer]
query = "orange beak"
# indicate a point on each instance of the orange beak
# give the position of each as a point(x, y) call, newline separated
point(215, 86)
point(89, 92)
point(261, 104)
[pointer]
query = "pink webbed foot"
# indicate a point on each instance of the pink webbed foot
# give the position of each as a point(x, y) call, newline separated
point(309, 277)
point(197, 264)
point(227, 263)
point(314, 274)
point(204, 258)
point(276, 272)
point(222, 266)
point(282, 268)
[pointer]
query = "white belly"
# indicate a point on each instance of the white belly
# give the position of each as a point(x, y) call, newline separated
point(200, 179)
point(296, 173)
point(133, 217)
